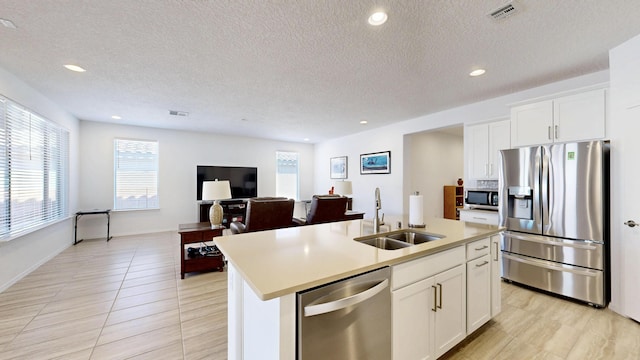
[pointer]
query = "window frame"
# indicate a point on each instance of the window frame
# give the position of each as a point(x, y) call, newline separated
point(34, 171)
point(156, 169)
point(297, 173)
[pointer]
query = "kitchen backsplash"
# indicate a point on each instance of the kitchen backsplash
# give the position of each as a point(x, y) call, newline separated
point(487, 184)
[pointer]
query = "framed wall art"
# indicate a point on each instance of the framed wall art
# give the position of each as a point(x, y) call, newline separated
point(375, 163)
point(338, 167)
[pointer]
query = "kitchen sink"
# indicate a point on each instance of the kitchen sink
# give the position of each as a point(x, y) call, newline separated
point(398, 239)
point(412, 237)
point(384, 243)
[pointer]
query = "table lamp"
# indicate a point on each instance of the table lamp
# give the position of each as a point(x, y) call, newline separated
point(216, 190)
point(343, 188)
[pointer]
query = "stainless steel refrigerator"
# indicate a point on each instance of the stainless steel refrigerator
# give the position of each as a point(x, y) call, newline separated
point(554, 203)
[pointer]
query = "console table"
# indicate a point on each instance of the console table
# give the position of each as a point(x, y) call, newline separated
point(198, 233)
point(90, 212)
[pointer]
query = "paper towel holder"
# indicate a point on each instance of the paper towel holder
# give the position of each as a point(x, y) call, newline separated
point(419, 226)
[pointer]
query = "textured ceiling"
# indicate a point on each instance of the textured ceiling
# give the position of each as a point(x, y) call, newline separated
point(290, 70)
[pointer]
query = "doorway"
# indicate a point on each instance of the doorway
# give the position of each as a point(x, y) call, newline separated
point(435, 158)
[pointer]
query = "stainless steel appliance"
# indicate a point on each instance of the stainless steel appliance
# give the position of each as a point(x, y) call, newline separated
point(481, 199)
point(555, 207)
point(347, 319)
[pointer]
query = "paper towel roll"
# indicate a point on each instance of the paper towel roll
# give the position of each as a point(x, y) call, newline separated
point(415, 210)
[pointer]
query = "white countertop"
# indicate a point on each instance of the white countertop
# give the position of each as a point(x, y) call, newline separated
point(280, 262)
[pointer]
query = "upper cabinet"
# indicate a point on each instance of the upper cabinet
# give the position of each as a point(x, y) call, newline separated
point(485, 142)
point(569, 118)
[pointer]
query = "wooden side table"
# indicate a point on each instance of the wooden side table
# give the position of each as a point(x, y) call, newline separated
point(198, 233)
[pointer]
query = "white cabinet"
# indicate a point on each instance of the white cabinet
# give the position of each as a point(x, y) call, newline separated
point(428, 305)
point(569, 118)
point(414, 321)
point(485, 142)
point(496, 275)
point(479, 216)
point(450, 316)
point(478, 284)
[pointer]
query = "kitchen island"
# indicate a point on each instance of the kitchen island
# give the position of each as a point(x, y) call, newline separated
point(267, 269)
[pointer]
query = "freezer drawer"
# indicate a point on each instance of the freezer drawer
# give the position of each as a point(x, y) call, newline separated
point(571, 252)
point(572, 281)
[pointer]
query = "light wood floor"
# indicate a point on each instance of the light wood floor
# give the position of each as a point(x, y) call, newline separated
point(124, 299)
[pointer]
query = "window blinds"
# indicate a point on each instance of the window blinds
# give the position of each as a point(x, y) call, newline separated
point(34, 158)
point(136, 174)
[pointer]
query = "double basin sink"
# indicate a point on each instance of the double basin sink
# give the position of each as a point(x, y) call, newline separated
point(398, 239)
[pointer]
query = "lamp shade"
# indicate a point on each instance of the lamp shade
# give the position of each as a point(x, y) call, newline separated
point(216, 190)
point(343, 188)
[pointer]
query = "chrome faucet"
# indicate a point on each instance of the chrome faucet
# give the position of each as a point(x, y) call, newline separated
point(377, 221)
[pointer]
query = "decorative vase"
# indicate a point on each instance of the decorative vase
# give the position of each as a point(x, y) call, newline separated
point(460, 181)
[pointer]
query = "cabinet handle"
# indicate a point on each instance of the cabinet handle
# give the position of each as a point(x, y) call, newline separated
point(435, 299)
point(481, 248)
point(549, 132)
point(496, 252)
point(490, 169)
point(556, 131)
point(479, 218)
point(486, 169)
point(483, 264)
point(440, 302)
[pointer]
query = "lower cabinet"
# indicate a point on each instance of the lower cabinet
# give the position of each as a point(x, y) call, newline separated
point(428, 305)
point(496, 275)
point(479, 292)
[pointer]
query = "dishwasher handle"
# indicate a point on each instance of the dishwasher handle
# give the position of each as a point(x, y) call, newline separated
point(318, 309)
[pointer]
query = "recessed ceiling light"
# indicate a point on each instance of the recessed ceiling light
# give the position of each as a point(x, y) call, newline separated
point(306, 139)
point(116, 117)
point(8, 23)
point(477, 72)
point(364, 122)
point(378, 18)
point(75, 68)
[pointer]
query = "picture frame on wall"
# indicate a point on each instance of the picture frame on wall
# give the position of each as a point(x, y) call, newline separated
point(338, 167)
point(375, 163)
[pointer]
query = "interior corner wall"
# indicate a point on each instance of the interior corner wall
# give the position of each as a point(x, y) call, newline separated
point(180, 153)
point(24, 254)
point(437, 160)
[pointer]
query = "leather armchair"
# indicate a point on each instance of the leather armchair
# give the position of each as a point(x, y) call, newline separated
point(265, 213)
point(327, 208)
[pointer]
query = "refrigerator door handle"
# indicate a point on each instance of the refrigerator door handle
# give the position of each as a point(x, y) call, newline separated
point(546, 187)
point(551, 242)
point(550, 265)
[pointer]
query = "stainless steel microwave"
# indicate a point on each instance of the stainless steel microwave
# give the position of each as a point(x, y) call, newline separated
point(482, 199)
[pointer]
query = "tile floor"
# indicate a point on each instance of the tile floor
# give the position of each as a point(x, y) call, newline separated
point(124, 300)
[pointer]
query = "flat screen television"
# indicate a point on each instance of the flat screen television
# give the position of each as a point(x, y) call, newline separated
point(243, 180)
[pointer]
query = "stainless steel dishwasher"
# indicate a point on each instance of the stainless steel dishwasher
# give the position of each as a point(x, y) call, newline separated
point(347, 319)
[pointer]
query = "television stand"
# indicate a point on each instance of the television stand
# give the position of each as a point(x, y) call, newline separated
point(232, 210)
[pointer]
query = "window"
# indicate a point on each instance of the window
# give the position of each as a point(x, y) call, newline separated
point(34, 171)
point(136, 175)
point(287, 174)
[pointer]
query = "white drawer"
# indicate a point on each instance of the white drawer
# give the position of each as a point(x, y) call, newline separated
point(422, 268)
point(478, 248)
point(479, 216)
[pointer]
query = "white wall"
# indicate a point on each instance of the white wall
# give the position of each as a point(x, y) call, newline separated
point(624, 100)
point(437, 159)
point(20, 256)
point(395, 187)
point(180, 153)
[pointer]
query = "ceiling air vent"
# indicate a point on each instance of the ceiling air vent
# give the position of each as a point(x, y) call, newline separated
point(178, 113)
point(504, 11)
